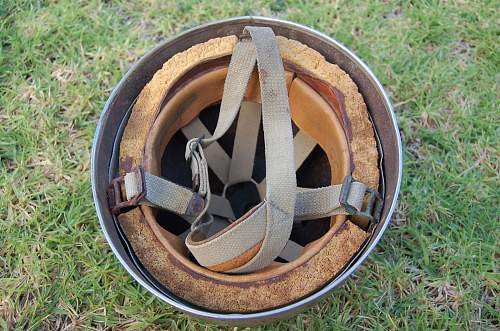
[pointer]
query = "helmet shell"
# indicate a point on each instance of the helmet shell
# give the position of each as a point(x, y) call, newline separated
point(116, 111)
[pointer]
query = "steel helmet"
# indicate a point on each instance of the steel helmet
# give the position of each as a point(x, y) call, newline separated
point(248, 173)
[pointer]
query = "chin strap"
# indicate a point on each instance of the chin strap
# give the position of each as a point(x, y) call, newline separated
point(269, 224)
point(347, 198)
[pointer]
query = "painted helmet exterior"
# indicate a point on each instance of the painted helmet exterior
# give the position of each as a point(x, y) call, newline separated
point(248, 173)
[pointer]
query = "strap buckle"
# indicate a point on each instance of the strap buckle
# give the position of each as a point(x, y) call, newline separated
point(373, 209)
point(115, 198)
point(195, 177)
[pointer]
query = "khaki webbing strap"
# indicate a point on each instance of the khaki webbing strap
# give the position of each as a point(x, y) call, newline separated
point(239, 72)
point(303, 146)
point(310, 203)
point(236, 239)
point(245, 143)
point(325, 201)
point(271, 221)
point(234, 88)
point(162, 193)
point(291, 251)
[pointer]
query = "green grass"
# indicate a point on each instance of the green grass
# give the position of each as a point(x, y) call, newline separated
point(437, 266)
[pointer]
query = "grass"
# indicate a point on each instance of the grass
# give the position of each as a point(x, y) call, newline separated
point(437, 266)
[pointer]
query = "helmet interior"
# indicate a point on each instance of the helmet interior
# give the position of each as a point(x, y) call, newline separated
point(317, 112)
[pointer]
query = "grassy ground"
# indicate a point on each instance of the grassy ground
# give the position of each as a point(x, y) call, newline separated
point(437, 266)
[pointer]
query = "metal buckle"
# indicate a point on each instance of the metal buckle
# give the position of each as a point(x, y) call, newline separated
point(115, 199)
point(189, 157)
point(196, 205)
point(192, 148)
point(373, 209)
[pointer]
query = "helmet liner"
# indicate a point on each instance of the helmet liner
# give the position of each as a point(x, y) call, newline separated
point(339, 244)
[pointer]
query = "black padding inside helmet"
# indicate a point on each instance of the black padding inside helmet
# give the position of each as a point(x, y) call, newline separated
point(172, 222)
point(243, 197)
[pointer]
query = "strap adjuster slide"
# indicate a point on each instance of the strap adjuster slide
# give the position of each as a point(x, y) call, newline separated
point(115, 199)
point(190, 150)
point(373, 209)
